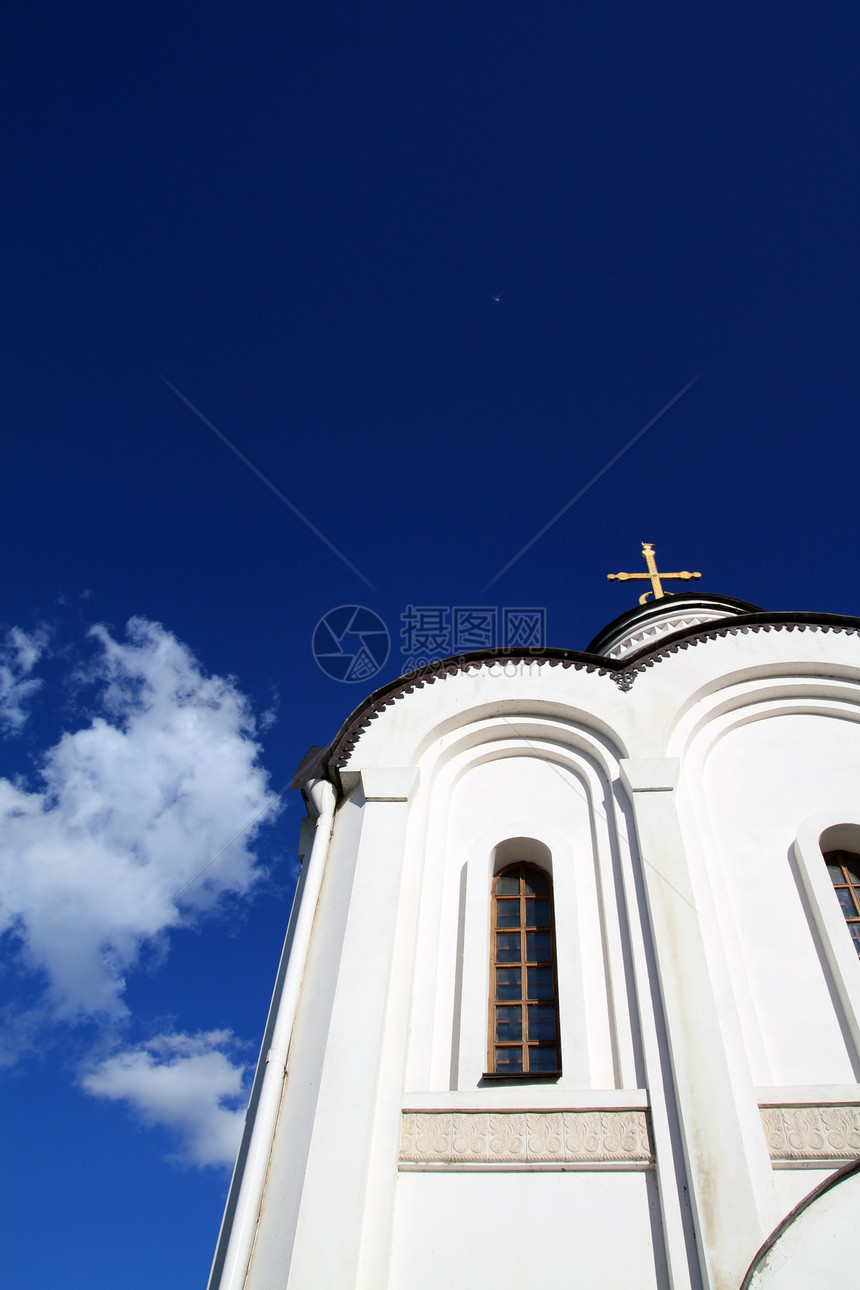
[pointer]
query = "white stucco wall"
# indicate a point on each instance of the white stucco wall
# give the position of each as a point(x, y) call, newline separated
point(760, 781)
point(467, 1231)
point(696, 976)
point(818, 1248)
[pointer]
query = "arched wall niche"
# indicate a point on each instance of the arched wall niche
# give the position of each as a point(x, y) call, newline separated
point(836, 828)
point(840, 837)
point(567, 718)
point(753, 766)
point(527, 850)
point(752, 699)
point(491, 800)
point(575, 746)
point(763, 664)
point(440, 720)
point(507, 745)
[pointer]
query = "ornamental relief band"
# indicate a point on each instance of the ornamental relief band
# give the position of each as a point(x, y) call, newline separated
point(531, 1137)
point(812, 1132)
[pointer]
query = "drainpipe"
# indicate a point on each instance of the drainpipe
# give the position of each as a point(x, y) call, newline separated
point(239, 1231)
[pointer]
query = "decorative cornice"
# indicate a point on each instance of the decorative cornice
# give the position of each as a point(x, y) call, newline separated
point(735, 627)
point(384, 698)
point(685, 602)
point(560, 1139)
point(622, 672)
point(645, 636)
point(796, 1133)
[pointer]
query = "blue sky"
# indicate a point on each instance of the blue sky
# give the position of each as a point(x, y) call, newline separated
point(429, 269)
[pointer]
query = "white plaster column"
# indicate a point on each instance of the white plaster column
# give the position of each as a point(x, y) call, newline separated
point(249, 1177)
point(727, 1211)
point(327, 1245)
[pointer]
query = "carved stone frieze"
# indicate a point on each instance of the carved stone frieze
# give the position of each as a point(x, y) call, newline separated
point(506, 1138)
point(812, 1132)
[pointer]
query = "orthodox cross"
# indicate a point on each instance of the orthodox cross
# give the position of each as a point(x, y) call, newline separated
point(656, 586)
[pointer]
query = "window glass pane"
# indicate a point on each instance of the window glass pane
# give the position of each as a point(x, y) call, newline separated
point(537, 947)
point(543, 1059)
point(509, 1024)
point(524, 935)
point(846, 902)
point(508, 913)
point(508, 983)
point(535, 883)
point(507, 947)
point(541, 1022)
point(540, 983)
point(509, 1061)
point(837, 860)
point(854, 929)
point(537, 913)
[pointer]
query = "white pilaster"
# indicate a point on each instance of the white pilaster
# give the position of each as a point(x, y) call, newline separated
point(335, 1193)
point(238, 1229)
point(726, 1208)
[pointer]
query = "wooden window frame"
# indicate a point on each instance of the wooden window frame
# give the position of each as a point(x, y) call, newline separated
point(849, 864)
point(524, 1044)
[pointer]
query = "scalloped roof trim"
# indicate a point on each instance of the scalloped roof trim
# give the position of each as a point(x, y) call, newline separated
point(623, 673)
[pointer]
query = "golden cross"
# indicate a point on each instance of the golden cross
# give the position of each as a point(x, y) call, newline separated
point(656, 586)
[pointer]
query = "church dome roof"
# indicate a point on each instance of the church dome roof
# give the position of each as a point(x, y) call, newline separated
point(642, 625)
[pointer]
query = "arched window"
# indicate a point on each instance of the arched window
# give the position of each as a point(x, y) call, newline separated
point(844, 870)
point(524, 1032)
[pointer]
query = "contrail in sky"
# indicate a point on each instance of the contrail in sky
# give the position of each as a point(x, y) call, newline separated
point(591, 481)
point(304, 519)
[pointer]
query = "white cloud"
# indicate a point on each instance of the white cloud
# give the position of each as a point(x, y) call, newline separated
point(186, 1083)
point(130, 809)
point(19, 654)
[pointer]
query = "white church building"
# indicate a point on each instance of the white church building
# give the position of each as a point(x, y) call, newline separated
point(570, 995)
